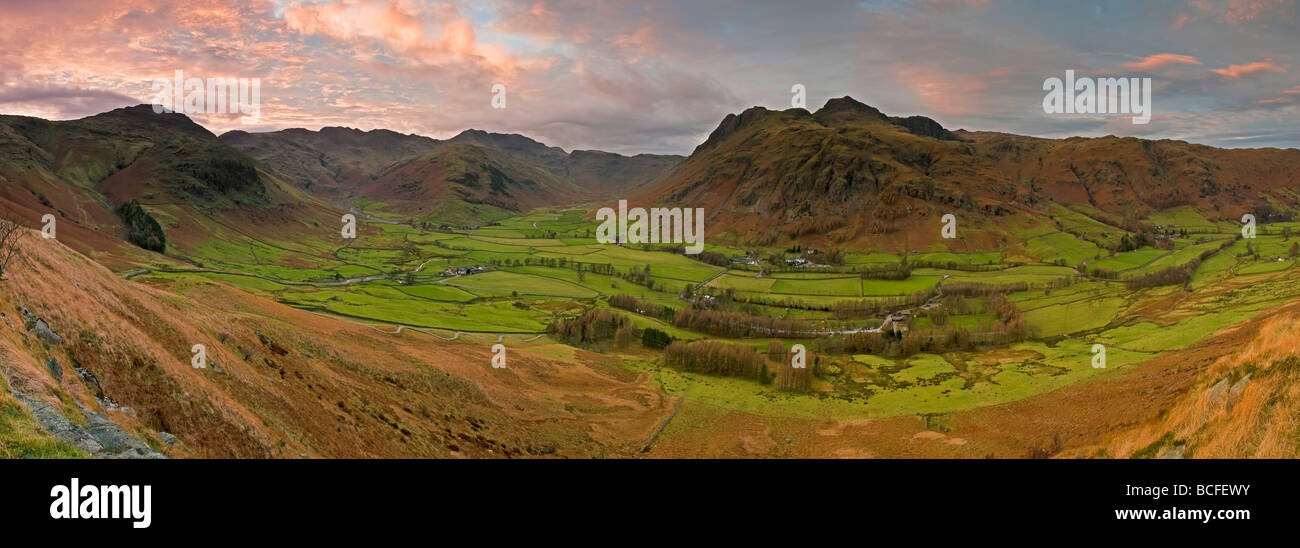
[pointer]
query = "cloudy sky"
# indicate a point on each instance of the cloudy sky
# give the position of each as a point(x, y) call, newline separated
point(657, 76)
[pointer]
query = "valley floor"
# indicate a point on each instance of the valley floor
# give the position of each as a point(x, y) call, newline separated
point(382, 347)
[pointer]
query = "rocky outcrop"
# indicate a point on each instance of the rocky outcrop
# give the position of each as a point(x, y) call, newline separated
point(56, 370)
point(925, 127)
point(91, 381)
point(101, 437)
point(40, 328)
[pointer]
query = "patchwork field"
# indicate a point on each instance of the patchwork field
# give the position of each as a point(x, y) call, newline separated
point(527, 272)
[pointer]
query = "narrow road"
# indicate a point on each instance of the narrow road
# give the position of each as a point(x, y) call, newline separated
point(705, 282)
point(426, 261)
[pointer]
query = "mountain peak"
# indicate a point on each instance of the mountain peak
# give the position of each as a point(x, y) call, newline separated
point(847, 103)
point(733, 123)
point(144, 113)
point(847, 109)
point(506, 141)
point(844, 109)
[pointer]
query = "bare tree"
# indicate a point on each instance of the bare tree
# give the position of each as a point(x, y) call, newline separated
point(10, 232)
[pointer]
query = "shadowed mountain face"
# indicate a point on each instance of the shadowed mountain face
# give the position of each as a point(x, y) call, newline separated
point(416, 175)
point(844, 175)
point(131, 152)
point(133, 176)
point(93, 174)
point(331, 159)
point(848, 172)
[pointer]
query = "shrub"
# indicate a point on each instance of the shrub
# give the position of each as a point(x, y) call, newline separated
point(654, 338)
point(141, 228)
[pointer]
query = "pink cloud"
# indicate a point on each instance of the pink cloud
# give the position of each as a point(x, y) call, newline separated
point(1158, 60)
point(427, 33)
point(1238, 71)
point(944, 93)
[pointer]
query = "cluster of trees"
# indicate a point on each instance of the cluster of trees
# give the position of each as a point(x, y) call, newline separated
point(639, 276)
point(141, 228)
point(1009, 327)
point(1174, 275)
point(1139, 240)
point(1104, 273)
point(625, 336)
point(224, 173)
point(592, 326)
point(791, 378)
point(959, 304)
point(787, 376)
point(953, 265)
point(655, 339)
point(708, 257)
point(720, 323)
point(975, 289)
point(1002, 308)
point(833, 257)
point(552, 262)
point(716, 358)
point(642, 306)
point(858, 308)
point(787, 302)
point(887, 271)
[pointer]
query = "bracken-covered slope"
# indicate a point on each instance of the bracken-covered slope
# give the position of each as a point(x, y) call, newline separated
point(85, 171)
point(1246, 404)
point(332, 160)
point(848, 174)
point(283, 382)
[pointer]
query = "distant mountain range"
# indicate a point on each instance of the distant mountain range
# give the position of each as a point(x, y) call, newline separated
point(281, 182)
point(415, 175)
point(845, 175)
point(849, 174)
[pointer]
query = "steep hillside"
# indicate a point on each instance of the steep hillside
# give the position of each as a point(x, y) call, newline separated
point(1134, 177)
point(442, 182)
point(283, 382)
point(609, 175)
point(842, 174)
point(131, 179)
point(471, 176)
point(1246, 404)
point(597, 173)
point(848, 174)
point(331, 161)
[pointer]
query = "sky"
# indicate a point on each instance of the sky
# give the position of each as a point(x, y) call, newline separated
point(657, 76)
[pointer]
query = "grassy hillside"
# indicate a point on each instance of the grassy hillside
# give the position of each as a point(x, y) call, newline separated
point(851, 177)
point(283, 382)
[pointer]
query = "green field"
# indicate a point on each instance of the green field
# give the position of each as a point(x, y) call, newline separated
point(534, 268)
